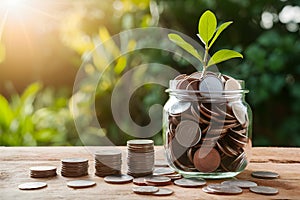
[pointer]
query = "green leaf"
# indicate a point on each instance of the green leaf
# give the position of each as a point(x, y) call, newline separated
point(221, 28)
point(207, 26)
point(183, 44)
point(7, 114)
point(223, 55)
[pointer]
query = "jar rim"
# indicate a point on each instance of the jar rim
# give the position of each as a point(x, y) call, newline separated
point(223, 92)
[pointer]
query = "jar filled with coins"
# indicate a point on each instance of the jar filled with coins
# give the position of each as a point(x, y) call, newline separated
point(207, 125)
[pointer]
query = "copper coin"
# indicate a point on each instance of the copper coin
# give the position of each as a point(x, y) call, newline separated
point(265, 174)
point(32, 185)
point(80, 183)
point(264, 190)
point(190, 183)
point(240, 183)
point(163, 192)
point(144, 189)
point(207, 161)
point(118, 179)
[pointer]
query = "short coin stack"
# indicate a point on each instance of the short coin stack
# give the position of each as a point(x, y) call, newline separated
point(42, 171)
point(108, 162)
point(140, 158)
point(74, 167)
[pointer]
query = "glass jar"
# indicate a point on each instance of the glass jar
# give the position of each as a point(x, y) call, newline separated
point(207, 134)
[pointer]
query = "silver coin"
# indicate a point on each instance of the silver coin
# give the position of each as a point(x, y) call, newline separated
point(232, 84)
point(122, 178)
point(159, 180)
point(179, 107)
point(163, 192)
point(140, 142)
point(264, 190)
point(240, 112)
point(80, 183)
point(265, 174)
point(163, 171)
point(223, 189)
point(74, 160)
point(32, 185)
point(144, 189)
point(240, 183)
point(185, 182)
point(42, 168)
point(188, 133)
point(211, 84)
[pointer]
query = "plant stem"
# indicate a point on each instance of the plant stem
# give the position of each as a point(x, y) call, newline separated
point(205, 60)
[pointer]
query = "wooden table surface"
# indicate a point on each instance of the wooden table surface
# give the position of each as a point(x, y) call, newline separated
point(15, 163)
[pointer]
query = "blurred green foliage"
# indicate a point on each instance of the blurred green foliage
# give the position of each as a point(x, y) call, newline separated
point(270, 68)
point(36, 117)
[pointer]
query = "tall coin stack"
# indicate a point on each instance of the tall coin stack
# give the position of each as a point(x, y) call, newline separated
point(108, 162)
point(74, 167)
point(140, 158)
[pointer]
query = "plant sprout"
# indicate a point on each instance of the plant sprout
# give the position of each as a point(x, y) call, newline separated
point(208, 34)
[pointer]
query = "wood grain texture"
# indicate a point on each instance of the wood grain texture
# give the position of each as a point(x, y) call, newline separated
point(15, 163)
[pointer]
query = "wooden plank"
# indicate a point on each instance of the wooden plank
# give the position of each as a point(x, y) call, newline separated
point(15, 163)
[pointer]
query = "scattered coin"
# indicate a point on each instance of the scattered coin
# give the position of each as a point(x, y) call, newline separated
point(118, 179)
point(163, 192)
point(144, 189)
point(190, 183)
point(32, 185)
point(174, 177)
point(158, 180)
point(240, 183)
point(81, 184)
point(222, 189)
point(264, 190)
point(163, 171)
point(139, 181)
point(265, 174)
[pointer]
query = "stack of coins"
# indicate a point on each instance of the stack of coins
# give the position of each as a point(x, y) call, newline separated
point(42, 171)
point(74, 167)
point(108, 162)
point(140, 158)
point(207, 121)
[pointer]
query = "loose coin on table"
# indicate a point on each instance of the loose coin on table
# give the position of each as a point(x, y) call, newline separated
point(118, 179)
point(144, 189)
point(190, 183)
point(81, 184)
point(265, 174)
point(163, 171)
point(161, 163)
point(163, 192)
point(32, 185)
point(222, 189)
point(240, 183)
point(158, 180)
point(264, 190)
point(139, 181)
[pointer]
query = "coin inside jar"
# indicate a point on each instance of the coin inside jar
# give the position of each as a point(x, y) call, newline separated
point(207, 162)
point(210, 84)
point(188, 133)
